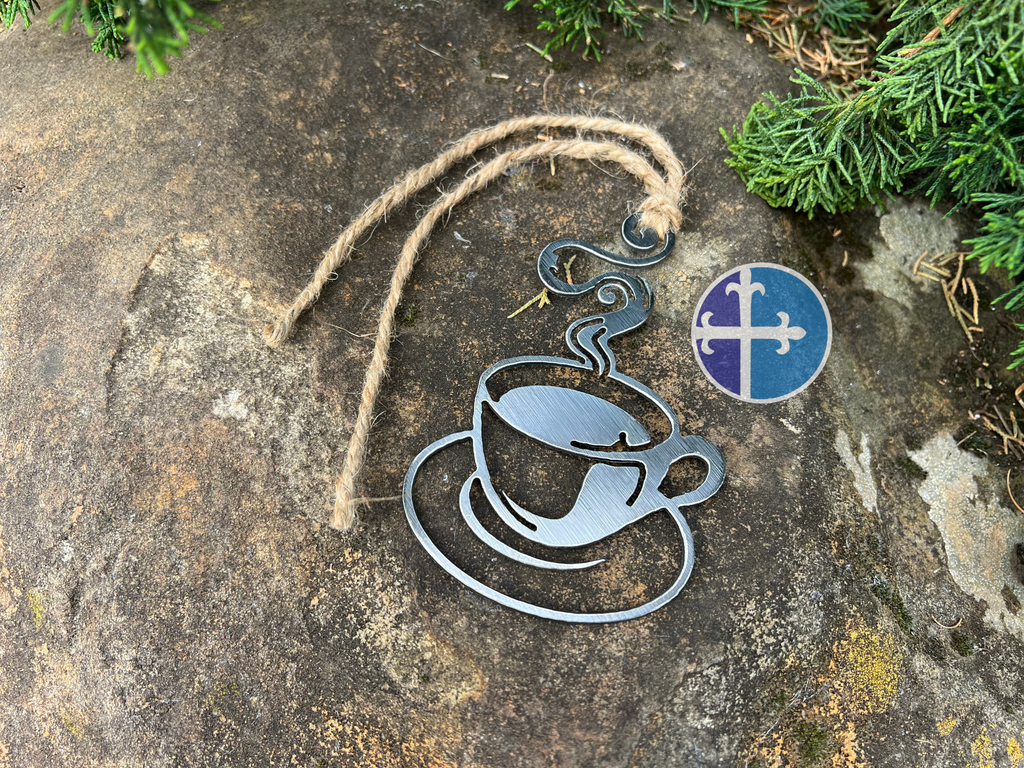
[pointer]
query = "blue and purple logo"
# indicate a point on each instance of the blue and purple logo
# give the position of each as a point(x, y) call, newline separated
point(761, 333)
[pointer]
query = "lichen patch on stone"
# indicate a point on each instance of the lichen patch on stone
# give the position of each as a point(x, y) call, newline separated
point(680, 280)
point(848, 754)
point(230, 406)
point(979, 533)
point(191, 344)
point(860, 466)
point(1013, 751)
point(908, 229)
point(424, 666)
point(866, 669)
point(982, 750)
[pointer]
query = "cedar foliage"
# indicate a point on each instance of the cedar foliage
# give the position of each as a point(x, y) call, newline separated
point(155, 30)
point(571, 22)
point(842, 15)
point(11, 9)
point(943, 115)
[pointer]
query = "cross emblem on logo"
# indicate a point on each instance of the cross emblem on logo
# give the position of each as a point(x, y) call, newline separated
point(746, 332)
point(752, 312)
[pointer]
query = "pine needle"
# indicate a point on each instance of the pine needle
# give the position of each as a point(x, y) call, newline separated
point(541, 299)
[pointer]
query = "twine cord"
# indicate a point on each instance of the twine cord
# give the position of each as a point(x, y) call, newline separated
point(659, 211)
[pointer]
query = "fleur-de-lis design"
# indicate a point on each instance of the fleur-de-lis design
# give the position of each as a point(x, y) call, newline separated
point(745, 332)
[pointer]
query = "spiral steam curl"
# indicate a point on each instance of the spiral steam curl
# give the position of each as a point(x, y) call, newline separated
point(589, 337)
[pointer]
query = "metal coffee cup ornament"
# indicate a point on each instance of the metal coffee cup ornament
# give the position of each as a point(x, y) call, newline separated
point(622, 485)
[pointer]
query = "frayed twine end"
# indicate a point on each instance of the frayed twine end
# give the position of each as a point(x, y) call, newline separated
point(275, 334)
point(344, 518)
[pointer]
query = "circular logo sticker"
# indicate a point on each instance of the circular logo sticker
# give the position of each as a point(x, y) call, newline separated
point(761, 333)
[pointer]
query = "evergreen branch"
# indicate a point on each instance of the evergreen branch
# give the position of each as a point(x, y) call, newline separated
point(755, 7)
point(913, 21)
point(67, 12)
point(815, 149)
point(572, 22)
point(154, 29)
point(104, 20)
point(842, 15)
point(11, 9)
point(1018, 352)
point(1001, 242)
point(159, 30)
point(943, 114)
point(980, 149)
point(579, 21)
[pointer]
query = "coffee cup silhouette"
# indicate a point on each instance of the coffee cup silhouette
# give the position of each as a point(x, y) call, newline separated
point(626, 466)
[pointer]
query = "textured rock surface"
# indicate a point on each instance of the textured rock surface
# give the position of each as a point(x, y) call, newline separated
point(169, 593)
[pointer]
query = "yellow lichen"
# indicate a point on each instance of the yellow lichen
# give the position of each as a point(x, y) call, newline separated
point(370, 744)
point(1014, 752)
point(867, 673)
point(848, 753)
point(73, 722)
point(982, 749)
point(223, 691)
point(946, 726)
point(768, 748)
point(37, 606)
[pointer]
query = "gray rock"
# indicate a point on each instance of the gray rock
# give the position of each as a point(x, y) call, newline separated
point(169, 591)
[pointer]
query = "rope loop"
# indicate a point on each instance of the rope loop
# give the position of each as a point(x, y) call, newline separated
point(659, 212)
